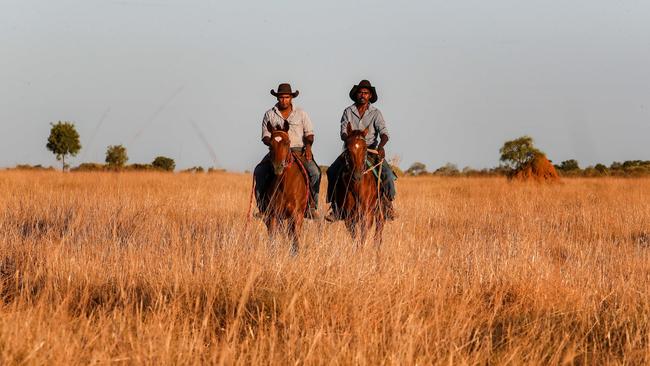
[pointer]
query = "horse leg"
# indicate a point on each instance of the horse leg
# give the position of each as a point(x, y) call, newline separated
point(272, 228)
point(295, 227)
point(365, 225)
point(351, 224)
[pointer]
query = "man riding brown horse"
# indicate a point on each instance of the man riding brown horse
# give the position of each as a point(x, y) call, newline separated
point(362, 115)
point(301, 136)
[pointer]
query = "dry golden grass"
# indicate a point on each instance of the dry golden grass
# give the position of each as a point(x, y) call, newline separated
point(159, 268)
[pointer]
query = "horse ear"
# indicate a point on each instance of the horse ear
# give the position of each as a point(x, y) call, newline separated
point(285, 128)
point(269, 127)
point(349, 129)
point(365, 131)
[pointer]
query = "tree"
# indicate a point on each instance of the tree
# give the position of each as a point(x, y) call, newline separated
point(63, 140)
point(448, 169)
point(516, 153)
point(116, 156)
point(416, 168)
point(601, 168)
point(569, 165)
point(164, 163)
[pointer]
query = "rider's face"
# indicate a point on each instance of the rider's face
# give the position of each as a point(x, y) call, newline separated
point(363, 95)
point(284, 101)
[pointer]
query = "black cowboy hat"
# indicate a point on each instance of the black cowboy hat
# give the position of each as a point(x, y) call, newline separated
point(285, 88)
point(363, 84)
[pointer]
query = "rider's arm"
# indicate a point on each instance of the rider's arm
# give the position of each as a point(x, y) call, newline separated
point(344, 124)
point(383, 140)
point(308, 140)
point(266, 135)
point(308, 137)
point(380, 127)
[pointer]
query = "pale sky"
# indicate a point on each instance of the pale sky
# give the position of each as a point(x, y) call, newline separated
point(455, 78)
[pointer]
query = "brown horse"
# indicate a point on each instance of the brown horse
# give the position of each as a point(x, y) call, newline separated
point(358, 199)
point(289, 191)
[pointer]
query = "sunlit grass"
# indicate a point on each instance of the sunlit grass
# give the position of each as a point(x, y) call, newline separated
point(163, 268)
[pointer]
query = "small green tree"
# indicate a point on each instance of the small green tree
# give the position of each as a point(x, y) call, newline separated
point(569, 165)
point(164, 163)
point(416, 168)
point(63, 141)
point(448, 169)
point(516, 153)
point(116, 156)
point(601, 168)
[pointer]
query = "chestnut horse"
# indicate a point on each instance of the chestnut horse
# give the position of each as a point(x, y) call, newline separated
point(289, 190)
point(358, 200)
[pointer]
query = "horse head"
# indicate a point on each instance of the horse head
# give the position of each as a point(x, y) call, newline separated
point(356, 151)
point(280, 147)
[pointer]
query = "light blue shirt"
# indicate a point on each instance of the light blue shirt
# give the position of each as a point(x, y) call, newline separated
point(372, 119)
point(299, 124)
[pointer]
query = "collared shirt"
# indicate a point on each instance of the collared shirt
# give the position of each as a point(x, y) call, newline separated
point(372, 119)
point(299, 124)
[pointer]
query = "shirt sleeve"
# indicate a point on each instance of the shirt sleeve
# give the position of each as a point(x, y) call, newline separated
point(307, 126)
point(380, 125)
point(344, 122)
point(265, 131)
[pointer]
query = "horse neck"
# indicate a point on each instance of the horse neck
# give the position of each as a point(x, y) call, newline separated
point(288, 177)
point(368, 180)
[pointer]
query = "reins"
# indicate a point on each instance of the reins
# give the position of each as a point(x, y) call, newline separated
point(372, 168)
point(376, 165)
point(287, 163)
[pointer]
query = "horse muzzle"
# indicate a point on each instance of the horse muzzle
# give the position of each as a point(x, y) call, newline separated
point(278, 169)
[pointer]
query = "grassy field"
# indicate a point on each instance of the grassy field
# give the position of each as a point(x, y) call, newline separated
point(157, 268)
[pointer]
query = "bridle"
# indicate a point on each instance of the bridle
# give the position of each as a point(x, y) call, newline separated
point(286, 163)
point(348, 158)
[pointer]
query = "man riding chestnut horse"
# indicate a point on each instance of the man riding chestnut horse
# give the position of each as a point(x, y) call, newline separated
point(363, 116)
point(300, 132)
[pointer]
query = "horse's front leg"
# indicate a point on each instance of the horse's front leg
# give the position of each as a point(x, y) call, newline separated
point(365, 223)
point(272, 228)
point(295, 228)
point(351, 225)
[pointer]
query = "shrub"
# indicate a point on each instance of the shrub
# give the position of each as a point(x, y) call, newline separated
point(164, 163)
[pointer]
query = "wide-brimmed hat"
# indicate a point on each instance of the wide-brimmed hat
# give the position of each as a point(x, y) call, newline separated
point(363, 84)
point(284, 88)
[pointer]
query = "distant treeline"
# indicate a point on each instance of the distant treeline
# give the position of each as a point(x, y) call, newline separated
point(567, 168)
point(515, 155)
point(97, 167)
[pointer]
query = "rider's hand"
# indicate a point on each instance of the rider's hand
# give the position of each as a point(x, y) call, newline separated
point(382, 153)
point(308, 154)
